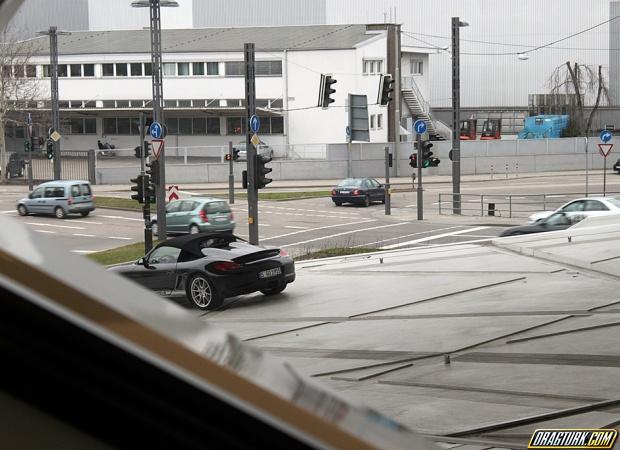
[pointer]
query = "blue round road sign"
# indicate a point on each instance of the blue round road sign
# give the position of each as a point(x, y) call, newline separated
point(606, 136)
point(156, 130)
point(254, 124)
point(419, 127)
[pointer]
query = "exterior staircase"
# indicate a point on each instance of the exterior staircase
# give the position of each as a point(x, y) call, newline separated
point(419, 108)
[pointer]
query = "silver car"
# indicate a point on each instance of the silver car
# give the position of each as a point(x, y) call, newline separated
point(58, 198)
point(262, 149)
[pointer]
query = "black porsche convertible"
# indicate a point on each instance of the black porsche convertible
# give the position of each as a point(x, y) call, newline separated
point(210, 267)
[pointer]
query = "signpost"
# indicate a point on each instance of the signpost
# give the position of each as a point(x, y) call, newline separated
point(157, 146)
point(604, 149)
point(419, 127)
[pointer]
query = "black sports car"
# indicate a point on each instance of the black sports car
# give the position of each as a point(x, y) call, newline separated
point(358, 190)
point(556, 221)
point(211, 267)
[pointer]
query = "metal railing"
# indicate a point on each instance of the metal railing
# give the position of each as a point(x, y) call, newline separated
point(408, 82)
point(509, 205)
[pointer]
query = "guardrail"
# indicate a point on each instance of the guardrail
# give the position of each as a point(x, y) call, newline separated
point(509, 205)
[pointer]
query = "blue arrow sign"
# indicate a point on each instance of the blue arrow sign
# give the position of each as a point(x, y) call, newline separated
point(606, 136)
point(419, 126)
point(156, 130)
point(254, 124)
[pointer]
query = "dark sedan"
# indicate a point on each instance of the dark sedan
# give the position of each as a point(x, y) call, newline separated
point(554, 222)
point(358, 190)
point(617, 166)
point(210, 267)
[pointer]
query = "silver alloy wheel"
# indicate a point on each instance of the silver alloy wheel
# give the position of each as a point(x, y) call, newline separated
point(194, 229)
point(59, 213)
point(201, 292)
point(21, 209)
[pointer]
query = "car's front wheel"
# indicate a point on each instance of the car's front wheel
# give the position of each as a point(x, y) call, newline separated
point(193, 229)
point(367, 201)
point(22, 210)
point(84, 213)
point(201, 292)
point(274, 290)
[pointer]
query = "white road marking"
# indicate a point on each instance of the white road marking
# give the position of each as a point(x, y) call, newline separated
point(413, 206)
point(83, 235)
point(45, 231)
point(83, 251)
point(347, 232)
point(84, 221)
point(10, 211)
point(264, 225)
point(55, 226)
point(295, 228)
point(408, 235)
point(319, 228)
point(431, 238)
point(121, 217)
point(191, 193)
point(118, 237)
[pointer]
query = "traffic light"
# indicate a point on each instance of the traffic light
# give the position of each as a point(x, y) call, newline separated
point(50, 149)
point(385, 90)
point(153, 171)
point(138, 188)
point(147, 150)
point(149, 190)
point(427, 155)
point(261, 170)
point(235, 154)
point(27, 146)
point(137, 152)
point(413, 160)
point(326, 91)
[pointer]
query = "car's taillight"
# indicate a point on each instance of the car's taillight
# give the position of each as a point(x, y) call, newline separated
point(283, 252)
point(203, 215)
point(231, 217)
point(70, 201)
point(226, 266)
point(356, 192)
point(333, 191)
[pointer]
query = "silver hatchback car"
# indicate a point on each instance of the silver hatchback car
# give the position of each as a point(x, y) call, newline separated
point(58, 198)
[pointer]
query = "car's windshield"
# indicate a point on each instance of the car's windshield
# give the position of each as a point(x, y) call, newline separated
point(351, 182)
point(614, 201)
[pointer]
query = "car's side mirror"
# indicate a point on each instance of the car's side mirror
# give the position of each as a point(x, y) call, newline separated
point(30, 195)
point(141, 262)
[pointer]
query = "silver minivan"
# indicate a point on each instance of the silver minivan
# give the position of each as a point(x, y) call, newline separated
point(58, 198)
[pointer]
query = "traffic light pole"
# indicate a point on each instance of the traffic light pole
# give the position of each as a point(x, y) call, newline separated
point(419, 191)
point(231, 175)
point(250, 105)
point(54, 88)
point(456, 117)
point(146, 206)
point(388, 202)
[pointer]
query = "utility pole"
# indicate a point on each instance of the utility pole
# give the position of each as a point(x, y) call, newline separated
point(419, 190)
point(388, 164)
point(456, 115)
point(250, 107)
point(146, 206)
point(231, 174)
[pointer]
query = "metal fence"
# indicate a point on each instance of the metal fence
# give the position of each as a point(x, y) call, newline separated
point(508, 205)
point(75, 165)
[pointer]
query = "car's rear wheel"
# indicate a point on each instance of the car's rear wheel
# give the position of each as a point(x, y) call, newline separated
point(22, 210)
point(274, 290)
point(201, 292)
point(338, 203)
point(60, 213)
point(84, 213)
point(193, 229)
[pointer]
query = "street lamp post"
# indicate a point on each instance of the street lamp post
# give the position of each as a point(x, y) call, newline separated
point(155, 27)
point(456, 116)
point(53, 34)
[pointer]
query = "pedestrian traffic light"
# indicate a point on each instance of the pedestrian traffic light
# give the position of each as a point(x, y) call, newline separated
point(27, 146)
point(146, 146)
point(385, 90)
point(149, 190)
point(153, 171)
point(413, 160)
point(427, 155)
point(326, 90)
point(137, 152)
point(261, 170)
point(50, 149)
point(138, 188)
point(235, 154)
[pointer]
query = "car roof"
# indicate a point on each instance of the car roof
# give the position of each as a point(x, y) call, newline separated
point(201, 199)
point(193, 243)
point(63, 182)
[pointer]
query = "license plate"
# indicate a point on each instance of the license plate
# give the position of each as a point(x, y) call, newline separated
point(345, 192)
point(220, 219)
point(270, 273)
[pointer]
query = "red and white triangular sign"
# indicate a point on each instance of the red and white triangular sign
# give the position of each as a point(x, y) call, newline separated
point(604, 149)
point(158, 146)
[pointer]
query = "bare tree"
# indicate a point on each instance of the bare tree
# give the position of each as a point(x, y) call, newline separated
point(580, 83)
point(18, 88)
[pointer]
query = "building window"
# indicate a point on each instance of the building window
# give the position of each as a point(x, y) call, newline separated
point(213, 125)
point(417, 67)
point(372, 121)
point(199, 126)
point(234, 69)
point(148, 69)
point(62, 70)
point(31, 71)
point(185, 126)
point(136, 69)
point(90, 125)
point(198, 69)
point(89, 70)
point(198, 103)
point(213, 68)
point(109, 125)
point(123, 125)
point(373, 66)
point(82, 126)
point(121, 69)
point(266, 68)
point(379, 121)
point(107, 70)
point(173, 125)
point(235, 125)
point(170, 69)
point(277, 125)
point(183, 69)
point(76, 70)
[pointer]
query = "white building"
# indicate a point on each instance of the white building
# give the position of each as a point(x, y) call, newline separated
point(105, 80)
